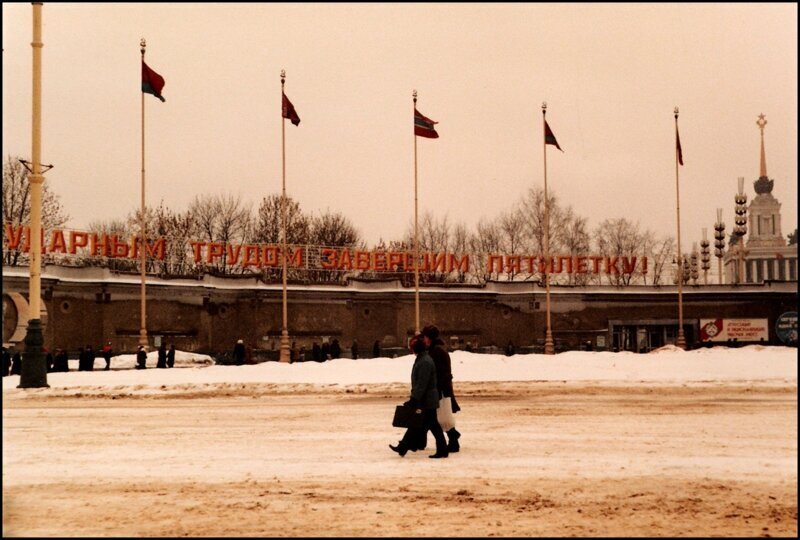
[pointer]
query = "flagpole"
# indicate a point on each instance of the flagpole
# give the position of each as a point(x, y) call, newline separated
point(284, 352)
point(142, 246)
point(416, 241)
point(548, 339)
point(681, 341)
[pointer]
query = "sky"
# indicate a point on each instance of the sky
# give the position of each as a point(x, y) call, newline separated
point(665, 365)
point(611, 75)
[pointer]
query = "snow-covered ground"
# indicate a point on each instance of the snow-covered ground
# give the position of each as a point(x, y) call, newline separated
point(665, 365)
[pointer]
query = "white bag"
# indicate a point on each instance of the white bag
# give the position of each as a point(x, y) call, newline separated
point(444, 414)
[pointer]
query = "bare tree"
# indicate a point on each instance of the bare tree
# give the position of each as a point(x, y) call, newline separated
point(268, 222)
point(17, 204)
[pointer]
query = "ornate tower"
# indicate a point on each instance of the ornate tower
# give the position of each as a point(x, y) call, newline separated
point(765, 210)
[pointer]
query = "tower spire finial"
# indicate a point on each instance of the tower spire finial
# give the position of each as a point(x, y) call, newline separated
point(761, 122)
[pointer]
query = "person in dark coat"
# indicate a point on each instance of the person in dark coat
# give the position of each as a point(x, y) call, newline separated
point(141, 358)
point(424, 397)
point(354, 350)
point(16, 364)
point(376, 349)
point(162, 356)
point(325, 352)
point(82, 359)
point(336, 349)
point(238, 353)
point(6, 362)
point(171, 356)
point(108, 352)
point(48, 360)
point(316, 352)
point(89, 358)
point(444, 376)
point(510, 350)
point(61, 361)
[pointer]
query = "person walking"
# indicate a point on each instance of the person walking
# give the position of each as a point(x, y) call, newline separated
point(376, 349)
point(81, 359)
point(108, 352)
point(162, 356)
point(325, 352)
point(6, 362)
point(316, 352)
point(141, 358)
point(89, 358)
point(238, 353)
point(336, 349)
point(171, 356)
point(48, 360)
point(425, 398)
point(62, 361)
point(444, 377)
point(354, 350)
point(16, 364)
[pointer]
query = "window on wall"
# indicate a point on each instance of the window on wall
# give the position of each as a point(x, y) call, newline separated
point(771, 269)
point(782, 269)
point(792, 269)
point(759, 271)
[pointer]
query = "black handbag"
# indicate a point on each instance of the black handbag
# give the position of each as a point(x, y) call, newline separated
point(406, 416)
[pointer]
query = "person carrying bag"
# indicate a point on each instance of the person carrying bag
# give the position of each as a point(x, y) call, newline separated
point(424, 401)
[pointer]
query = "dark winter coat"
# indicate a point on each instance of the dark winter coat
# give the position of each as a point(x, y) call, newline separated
point(424, 393)
point(336, 350)
point(444, 372)
point(162, 356)
point(141, 359)
point(376, 350)
point(16, 364)
point(171, 357)
point(238, 354)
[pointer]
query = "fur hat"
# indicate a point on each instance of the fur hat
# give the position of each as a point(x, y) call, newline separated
point(431, 332)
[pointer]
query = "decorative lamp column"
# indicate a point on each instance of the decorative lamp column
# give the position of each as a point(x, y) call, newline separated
point(694, 271)
point(705, 255)
point(741, 228)
point(34, 368)
point(719, 242)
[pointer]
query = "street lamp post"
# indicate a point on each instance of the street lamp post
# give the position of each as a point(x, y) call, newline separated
point(34, 369)
point(719, 242)
point(740, 229)
point(705, 255)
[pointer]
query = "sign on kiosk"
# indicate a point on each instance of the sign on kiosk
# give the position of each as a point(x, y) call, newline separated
point(738, 329)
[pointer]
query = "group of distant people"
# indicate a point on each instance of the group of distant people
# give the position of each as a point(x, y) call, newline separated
point(59, 360)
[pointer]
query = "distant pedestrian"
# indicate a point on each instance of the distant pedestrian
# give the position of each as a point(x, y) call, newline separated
point(82, 359)
point(238, 353)
point(325, 351)
point(6, 362)
point(48, 360)
point(171, 356)
point(16, 364)
point(89, 358)
point(162, 356)
point(302, 357)
point(316, 352)
point(141, 358)
point(354, 350)
point(376, 349)
point(108, 352)
point(61, 361)
point(510, 350)
point(293, 353)
point(336, 349)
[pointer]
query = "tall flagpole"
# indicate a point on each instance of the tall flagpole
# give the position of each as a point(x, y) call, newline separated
point(143, 243)
point(34, 368)
point(284, 352)
point(681, 341)
point(416, 240)
point(548, 339)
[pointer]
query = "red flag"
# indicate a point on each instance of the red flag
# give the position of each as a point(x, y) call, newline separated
point(549, 138)
point(423, 126)
point(152, 82)
point(678, 144)
point(289, 112)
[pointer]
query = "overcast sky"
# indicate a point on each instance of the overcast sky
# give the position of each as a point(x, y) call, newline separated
point(610, 74)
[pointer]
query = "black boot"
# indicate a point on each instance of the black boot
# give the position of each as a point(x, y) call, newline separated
point(439, 454)
point(401, 448)
point(453, 437)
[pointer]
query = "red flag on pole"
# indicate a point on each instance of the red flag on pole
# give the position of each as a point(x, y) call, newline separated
point(289, 112)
